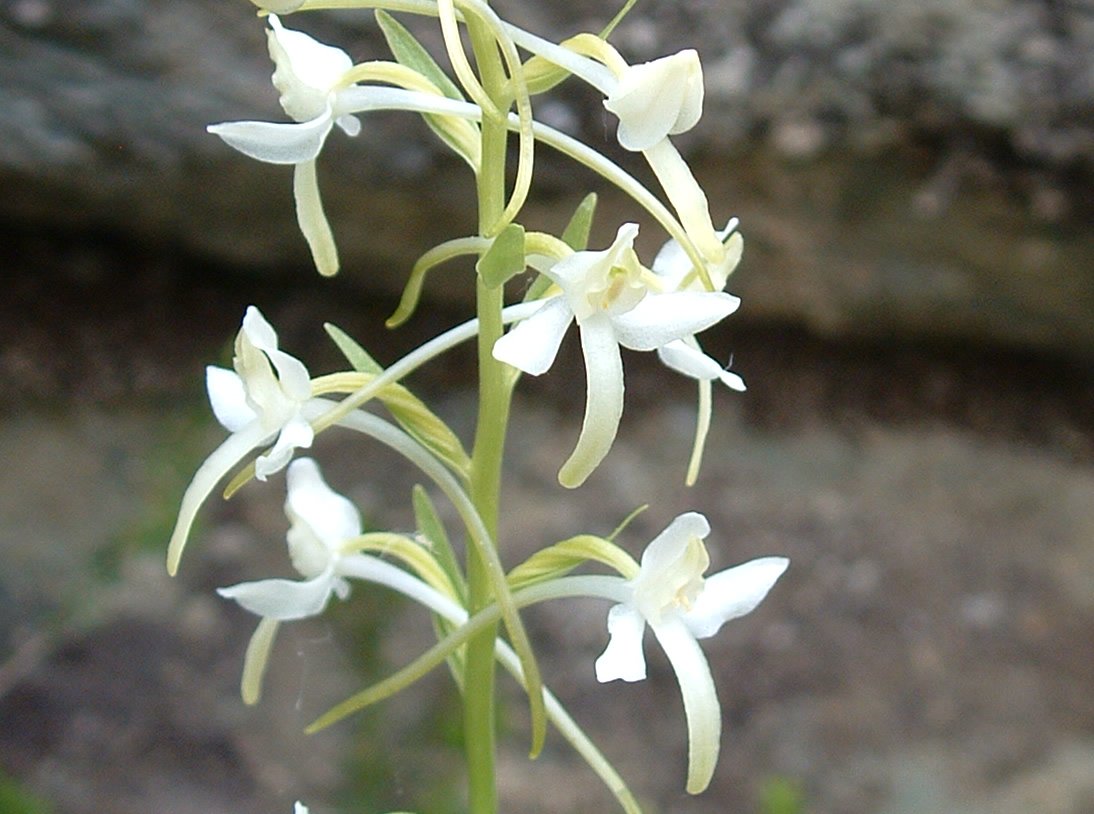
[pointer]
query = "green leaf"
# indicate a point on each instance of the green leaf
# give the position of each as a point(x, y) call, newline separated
point(432, 529)
point(411, 53)
point(505, 257)
point(576, 233)
point(358, 357)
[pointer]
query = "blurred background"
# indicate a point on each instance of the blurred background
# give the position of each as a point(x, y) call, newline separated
point(914, 183)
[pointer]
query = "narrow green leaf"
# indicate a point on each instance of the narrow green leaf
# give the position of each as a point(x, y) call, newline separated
point(576, 233)
point(357, 356)
point(408, 51)
point(505, 257)
point(433, 530)
point(411, 53)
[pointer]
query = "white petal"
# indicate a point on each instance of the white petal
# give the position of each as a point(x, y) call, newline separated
point(656, 99)
point(350, 125)
point(228, 398)
point(733, 593)
point(313, 220)
point(673, 263)
point(296, 434)
point(283, 599)
point(306, 70)
point(532, 344)
point(276, 143)
point(300, 808)
point(701, 708)
point(331, 516)
point(623, 657)
point(258, 330)
point(691, 361)
point(603, 400)
point(212, 469)
point(668, 546)
point(292, 375)
point(661, 318)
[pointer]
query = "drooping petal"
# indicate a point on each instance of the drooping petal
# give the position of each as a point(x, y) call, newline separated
point(686, 358)
point(255, 659)
point(284, 599)
point(732, 593)
point(228, 398)
point(656, 99)
point(276, 142)
point(687, 198)
point(313, 220)
point(603, 400)
point(623, 657)
point(532, 344)
point(701, 708)
point(662, 318)
point(211, 471)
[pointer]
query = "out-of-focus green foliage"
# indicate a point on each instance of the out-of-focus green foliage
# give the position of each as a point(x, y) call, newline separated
point(781, 795)
point(14, 799)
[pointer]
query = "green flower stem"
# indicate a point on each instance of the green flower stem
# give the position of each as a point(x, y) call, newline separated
point(480, 727)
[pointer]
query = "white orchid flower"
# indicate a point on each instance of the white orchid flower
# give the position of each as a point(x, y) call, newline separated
point(671, 595)
point(324, 525)
point(268, 388)
point(318, 92)
point(310, 77)
point(653, 101)
point(263, 399)
point(615, 302)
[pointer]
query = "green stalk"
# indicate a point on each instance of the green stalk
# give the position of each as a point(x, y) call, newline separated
point(480, 725)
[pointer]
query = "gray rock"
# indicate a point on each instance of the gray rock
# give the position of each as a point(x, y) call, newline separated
point(900, 167)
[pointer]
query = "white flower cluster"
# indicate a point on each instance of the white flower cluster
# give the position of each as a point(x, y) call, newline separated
point(270, 401)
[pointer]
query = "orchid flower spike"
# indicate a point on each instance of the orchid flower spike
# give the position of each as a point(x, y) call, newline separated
point(259, 401)
point(615, 302)
point(671, 595)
